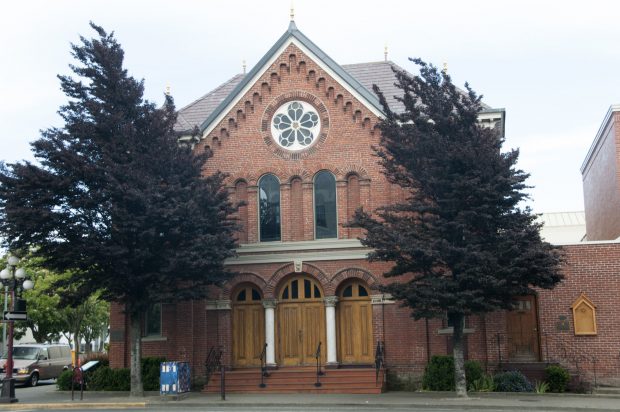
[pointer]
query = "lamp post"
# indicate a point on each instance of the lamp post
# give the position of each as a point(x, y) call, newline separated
point(14, 279)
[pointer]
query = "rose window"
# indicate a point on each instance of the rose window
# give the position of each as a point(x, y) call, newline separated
point(295, 125)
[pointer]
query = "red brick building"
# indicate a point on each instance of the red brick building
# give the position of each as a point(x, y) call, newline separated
point(295, 136)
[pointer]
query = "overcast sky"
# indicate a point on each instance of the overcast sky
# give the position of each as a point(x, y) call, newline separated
point(554, 66)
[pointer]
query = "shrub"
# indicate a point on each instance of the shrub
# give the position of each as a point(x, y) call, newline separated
point(439, 374)
point(64, 380)
point(512, 381)
point(150, 373)
point(473, 371)
point(557, 377)
point(107, 379)
point(483, 384)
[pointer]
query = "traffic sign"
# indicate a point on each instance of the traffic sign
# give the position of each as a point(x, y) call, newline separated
point(15, 316)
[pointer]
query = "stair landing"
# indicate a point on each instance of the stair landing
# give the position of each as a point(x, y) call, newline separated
point(300, 380)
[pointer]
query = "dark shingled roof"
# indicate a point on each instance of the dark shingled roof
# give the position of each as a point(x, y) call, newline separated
point(196, 112)
point(367, 74)
point(381, 74)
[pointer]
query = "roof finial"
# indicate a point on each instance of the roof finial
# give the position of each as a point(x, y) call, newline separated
point(385, 52)
point(292, 11)
point(168, 90)
point(244, 67)
point(445, 68)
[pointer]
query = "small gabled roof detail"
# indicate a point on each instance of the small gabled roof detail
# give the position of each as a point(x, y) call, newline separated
point(293, 34)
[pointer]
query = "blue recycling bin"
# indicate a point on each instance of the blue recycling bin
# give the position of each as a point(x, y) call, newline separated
point(174, 378)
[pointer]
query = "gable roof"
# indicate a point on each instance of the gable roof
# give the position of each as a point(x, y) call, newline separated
point(358, 78)
point(295, 36)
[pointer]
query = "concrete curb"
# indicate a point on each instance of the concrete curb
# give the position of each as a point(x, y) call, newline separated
point(73, 405)
point(386, 406)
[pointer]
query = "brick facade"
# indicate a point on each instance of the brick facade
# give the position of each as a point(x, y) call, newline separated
point(244, 149)
point(601, 180)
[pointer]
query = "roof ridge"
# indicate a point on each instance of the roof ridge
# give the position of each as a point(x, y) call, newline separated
point(221, 86)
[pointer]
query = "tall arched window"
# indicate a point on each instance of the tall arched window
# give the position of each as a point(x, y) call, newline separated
point(326, 222)
point(269, 208)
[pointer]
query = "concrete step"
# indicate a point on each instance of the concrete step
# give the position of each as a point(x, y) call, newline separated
point(607, 390)
point(299, 380)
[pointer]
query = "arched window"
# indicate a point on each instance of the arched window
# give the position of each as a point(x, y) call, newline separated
point(269, 208)
point(325, 219)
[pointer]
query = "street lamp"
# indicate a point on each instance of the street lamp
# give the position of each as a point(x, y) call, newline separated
point(14, 279)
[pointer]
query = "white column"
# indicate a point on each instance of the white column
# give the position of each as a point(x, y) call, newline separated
point(330, 324)
point(270, 331)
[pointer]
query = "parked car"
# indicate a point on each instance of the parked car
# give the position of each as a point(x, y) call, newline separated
point(34, 361)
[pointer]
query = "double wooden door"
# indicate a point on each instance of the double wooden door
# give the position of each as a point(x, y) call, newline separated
point(522, 330)
point(355, 324)
point(301, 322)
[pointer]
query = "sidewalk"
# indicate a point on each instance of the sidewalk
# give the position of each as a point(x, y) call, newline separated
point(390, 400)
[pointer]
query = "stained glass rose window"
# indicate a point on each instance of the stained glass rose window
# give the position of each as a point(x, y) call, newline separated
point(295, 125)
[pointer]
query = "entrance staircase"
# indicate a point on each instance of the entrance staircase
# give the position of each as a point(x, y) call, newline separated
point(300, 380)
point(534, 371)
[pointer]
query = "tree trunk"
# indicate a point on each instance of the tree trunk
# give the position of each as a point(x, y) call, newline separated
point(458, 323)
point(76, 347)
point(137, 389)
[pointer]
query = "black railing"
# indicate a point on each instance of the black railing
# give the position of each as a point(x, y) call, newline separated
point(263, 367)
point(379, 360)
point(317, 355)
point(213, 363)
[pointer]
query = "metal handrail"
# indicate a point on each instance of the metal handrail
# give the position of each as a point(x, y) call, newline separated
point(263, 366)
point(379, 360)
point(317, 355)
point(212, 362)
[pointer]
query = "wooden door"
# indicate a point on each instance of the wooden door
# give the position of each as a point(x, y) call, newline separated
point(301, 322)
point(248, 325)
point(355, 324)
point(522, 330)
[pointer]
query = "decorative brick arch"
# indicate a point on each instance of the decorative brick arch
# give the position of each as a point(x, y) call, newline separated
point(277, 172)
point(289, 269)
point(344, 171)
point(301, 173)
point(349, 273)
point(247, 277)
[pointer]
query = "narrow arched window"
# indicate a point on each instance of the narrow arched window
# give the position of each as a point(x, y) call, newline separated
point(269, 208)
point(325, 205)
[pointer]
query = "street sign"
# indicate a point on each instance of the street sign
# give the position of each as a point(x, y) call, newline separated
point(15, 316)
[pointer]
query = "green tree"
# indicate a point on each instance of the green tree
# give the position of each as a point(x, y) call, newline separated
point(115, 200)
point(461, 238)
point(95, 324)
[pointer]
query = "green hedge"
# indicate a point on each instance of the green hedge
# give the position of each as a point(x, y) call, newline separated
point(103, 378)
point(107, 379)
point(439, 373)
point(557, 377)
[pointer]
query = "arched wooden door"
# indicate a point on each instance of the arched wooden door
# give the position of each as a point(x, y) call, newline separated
point(301, 321)
point(248, 325)
point(355, 323)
